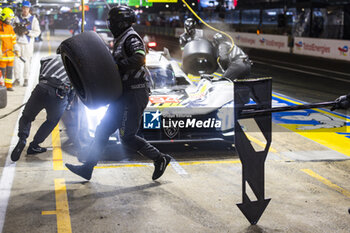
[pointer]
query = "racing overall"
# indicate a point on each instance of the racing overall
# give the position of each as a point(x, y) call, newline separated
point(26, 48)
point(53, 93)
point(7, 43)
point(236, 63)
point(126, 113)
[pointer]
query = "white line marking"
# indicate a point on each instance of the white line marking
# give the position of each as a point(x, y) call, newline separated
point(177, 167)
point(9, 170)
point(308, 67)
point(305, 72)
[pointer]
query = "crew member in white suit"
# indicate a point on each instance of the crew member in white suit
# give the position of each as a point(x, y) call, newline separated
point(25, 42)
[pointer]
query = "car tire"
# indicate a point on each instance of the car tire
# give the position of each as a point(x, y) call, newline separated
point(91, 69)
point(3, 97)
point(199, 57)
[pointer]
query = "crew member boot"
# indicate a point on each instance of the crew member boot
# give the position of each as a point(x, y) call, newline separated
point(35, 149)
point(160, 165)
point(16, 153)
point(161, 160)
point(84, 170)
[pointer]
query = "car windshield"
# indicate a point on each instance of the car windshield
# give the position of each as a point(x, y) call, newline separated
point(162, 77)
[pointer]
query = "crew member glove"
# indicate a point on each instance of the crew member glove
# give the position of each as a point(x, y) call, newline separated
point(342, 102)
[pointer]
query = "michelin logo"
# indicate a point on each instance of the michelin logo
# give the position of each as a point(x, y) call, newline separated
point(151, 120)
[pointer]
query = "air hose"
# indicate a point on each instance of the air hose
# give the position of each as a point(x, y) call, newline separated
point(212, 28)
point(16, 109)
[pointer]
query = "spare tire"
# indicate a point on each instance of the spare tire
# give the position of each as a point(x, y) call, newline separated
point(3, 97)
point(199, 57)
point(91, 69)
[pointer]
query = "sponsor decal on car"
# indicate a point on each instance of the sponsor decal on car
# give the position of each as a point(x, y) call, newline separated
point(164, 101)
point(161, 99)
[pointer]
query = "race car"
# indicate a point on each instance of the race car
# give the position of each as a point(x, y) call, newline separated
point(178, 110)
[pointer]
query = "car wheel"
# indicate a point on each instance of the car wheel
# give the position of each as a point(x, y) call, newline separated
point(199, 57)
point(91, 69)
point(3, 97)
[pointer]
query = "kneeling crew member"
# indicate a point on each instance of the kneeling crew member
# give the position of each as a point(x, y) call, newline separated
point(189, 34)
point(125, 113)
point(53, 93)
point(235, 63)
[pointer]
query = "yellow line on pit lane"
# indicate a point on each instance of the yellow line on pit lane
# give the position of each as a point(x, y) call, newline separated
point(48, 41)
point(180, 163)
point(62, 208)
point(326, 182)
point(260, 143)
point(55, 134)
point(210, 162)
point(57, 159)
point(121, 166)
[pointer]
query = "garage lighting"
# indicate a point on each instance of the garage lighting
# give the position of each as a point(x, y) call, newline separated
point(193, 4)
point(167, 6)
point(65, 9)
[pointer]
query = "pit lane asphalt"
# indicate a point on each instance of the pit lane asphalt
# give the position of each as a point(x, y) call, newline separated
point(197, 193)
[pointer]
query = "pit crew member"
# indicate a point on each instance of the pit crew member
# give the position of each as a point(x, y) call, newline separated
point(234, 63)
point(125, 113)
point(53, 93)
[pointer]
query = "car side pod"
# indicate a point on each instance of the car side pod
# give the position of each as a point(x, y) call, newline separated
point(91, 69)
point(253, 162)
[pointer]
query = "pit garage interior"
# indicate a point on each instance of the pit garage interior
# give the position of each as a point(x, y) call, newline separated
point(307, 169)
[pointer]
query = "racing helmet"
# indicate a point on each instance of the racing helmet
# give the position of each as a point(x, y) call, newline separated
point(7, 14)
point(190, 25)
point(120, 18)
point(218, 38)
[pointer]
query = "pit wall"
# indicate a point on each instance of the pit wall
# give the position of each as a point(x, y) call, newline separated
point(325, 48)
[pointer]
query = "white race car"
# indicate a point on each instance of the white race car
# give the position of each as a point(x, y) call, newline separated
point(178, 110)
